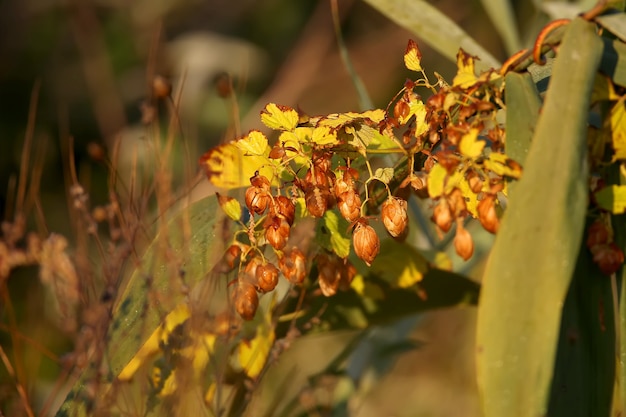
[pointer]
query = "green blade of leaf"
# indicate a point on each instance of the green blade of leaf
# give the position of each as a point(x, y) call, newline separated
point(523, 99)
point(614, 23)
point(433, 27)
point(534, 255)
point(585, 366)
point(502, 17)
point(135, 316)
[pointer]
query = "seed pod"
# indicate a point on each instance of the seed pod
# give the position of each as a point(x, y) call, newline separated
point(316, 199)
point(349, 204)
point(161, 87)
point(328, 274)
point(266, 277)
point(257, 199)
point(609, 257)
point(347, 272)
point(246, 300)
point(597, 234)
point(456, 201)
point(277, 231)
point(442, 216)
point(249, 274)
point(293, 266)
point(231, 258)
point(394, 215)
point(260, 181)
point(463, 243)
point(486, 209)
point(475, 182)
point(285, 208)
point(365, 241)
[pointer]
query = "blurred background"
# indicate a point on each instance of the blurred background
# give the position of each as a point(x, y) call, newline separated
point(79, 73)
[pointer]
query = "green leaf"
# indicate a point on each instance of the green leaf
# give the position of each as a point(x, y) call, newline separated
point(614, 23)
point(135, 316)
point(503, 18)
point(614, 61)
point(433, 27)
point(532, 261)
point(524, 102)
point(331, 233)
point(612, 198)
point(585, 366)
point(384, 174)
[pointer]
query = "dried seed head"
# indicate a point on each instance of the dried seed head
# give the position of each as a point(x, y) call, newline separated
point(161, 87)
point(597, 234)
point(257, 199)
point(316, 199)
point(456, 201)
point(475, 182)
point(266, 277)
point(365, 241)
point(486, 209)
point(260, 181)
point(246, 300)
point(463, 243)
point(249, 274)
point(394, 215)
point(347, 272)
point(231, 258)
point(609, 257)
point(285, 208)
point(349, 204)
point(293, 266)
point(328, 273)
point(442, 215)
point(277, 231)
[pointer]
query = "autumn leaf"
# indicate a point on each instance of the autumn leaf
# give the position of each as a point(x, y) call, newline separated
point(618, 130)
point(465, 76)
point(279, 117)
point(399, 264)
point(230, 206)
point(470, 146)
point(612, 198)
point(413, 56)
point(232, 164)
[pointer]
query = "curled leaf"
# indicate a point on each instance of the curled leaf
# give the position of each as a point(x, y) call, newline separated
point(413, 56)
point(279, 117)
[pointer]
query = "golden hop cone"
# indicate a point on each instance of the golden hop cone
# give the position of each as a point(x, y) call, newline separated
point(246, 300)
point(394, 215)
point(365, 241)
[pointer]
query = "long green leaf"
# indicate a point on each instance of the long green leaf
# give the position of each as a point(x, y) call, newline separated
point(503, 18)
point(585, 366)
point(153, 290)
point(523, 102)
point(533, 258)
point(433, 27)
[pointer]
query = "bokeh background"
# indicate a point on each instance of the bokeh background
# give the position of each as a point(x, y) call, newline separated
point(77, 73)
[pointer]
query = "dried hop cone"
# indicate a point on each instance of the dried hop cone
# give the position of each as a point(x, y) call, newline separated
point(463, 243)
point(597, 234)
point(293, 266)
point(257, 199)
point(487, 213)
point(316, 199)
point(231, 258)
point(277, 231)
point(442, 215)
point(283, 206)
point(365, 241)
point(266, 277)
point(394, 215)
point(608, 256)
point(349, 204)
point(246, 300)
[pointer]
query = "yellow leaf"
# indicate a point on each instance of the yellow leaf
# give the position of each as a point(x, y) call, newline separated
point(417, 109)
point(603, 89)
point(465, 76)
point(501, 164)
point(232, 164)
point(366, 289)
point(470, 146)
point(152, 345)
point(279, 117)
point(413, 56)
point(323, 135)
point(436, 181)
point(471, 198)
point(399, 264)
point(384, 174)
point(253, 354)
point(612, 198)
point(230, 205)
point(337, 120)
point(618, 130)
